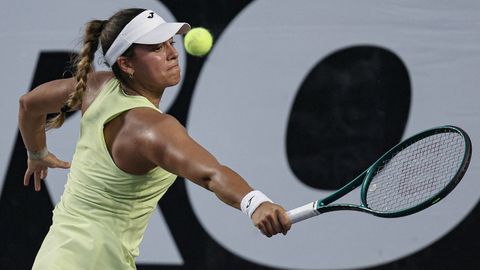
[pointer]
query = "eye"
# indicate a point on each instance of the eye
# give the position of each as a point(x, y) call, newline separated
point(158, 47)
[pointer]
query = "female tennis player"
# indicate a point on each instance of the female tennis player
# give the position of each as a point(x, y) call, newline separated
point(128, 153)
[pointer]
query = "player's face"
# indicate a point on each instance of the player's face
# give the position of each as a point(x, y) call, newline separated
point(156, 66)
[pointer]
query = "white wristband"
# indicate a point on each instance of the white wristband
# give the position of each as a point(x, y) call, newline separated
point(251, 201)
point(36, 155)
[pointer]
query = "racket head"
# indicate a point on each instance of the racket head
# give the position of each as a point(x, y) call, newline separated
point(417, 172)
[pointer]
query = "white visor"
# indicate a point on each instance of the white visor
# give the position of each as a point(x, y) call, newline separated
point(146, 28)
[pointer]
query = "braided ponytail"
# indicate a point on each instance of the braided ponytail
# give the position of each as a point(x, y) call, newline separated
point(96, 32)
point(83, 63)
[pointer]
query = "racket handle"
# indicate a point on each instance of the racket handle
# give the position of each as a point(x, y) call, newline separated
point(303, 212)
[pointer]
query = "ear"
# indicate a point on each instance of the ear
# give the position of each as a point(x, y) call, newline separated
point(125, 65)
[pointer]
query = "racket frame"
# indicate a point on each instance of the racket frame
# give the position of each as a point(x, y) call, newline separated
point(365, 178)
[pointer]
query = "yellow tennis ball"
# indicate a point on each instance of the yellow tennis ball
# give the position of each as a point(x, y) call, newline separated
point(198, 41)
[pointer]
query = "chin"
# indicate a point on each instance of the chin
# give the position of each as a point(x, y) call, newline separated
point(171, 84)
point(174, 82)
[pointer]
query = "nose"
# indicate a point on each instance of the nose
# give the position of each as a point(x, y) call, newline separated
point(172, 52)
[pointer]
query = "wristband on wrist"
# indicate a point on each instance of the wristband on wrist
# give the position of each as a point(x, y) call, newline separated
point(36, 155)
point(251, 201)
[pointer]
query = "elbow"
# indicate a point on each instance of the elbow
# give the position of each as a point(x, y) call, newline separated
point(22, 103)
point(27, 109)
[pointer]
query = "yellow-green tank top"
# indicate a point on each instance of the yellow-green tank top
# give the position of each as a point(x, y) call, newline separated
point(103, 212)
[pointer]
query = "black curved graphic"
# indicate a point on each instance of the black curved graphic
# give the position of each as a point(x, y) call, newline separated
point(350, 109)
point(26, 215)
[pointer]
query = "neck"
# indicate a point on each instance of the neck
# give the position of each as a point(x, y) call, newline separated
point(153, 95)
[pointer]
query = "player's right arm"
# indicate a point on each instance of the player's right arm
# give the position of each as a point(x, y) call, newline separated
point(162, 140)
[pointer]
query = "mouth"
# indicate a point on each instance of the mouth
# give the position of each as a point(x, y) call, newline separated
point(174, 66)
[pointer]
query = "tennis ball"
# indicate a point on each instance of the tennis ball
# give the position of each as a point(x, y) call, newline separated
point(198, 41)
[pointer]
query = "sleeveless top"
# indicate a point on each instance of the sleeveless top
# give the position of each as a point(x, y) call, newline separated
point(103, 212)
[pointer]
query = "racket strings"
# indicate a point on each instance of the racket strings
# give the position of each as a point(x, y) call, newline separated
point(416, 173)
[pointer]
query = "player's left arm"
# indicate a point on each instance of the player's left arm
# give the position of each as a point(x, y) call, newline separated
point(33, 109)
point(34, 106)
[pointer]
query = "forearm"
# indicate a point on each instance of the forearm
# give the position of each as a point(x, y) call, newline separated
point(228, 186)
point(32, 128)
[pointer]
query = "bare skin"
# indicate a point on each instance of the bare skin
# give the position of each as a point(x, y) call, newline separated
point(158, 139)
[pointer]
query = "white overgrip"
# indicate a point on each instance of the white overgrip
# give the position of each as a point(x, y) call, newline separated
point(302, 212)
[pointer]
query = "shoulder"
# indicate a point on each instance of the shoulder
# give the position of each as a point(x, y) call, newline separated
point(148, 119)
point(140, 137)
point(151, 128)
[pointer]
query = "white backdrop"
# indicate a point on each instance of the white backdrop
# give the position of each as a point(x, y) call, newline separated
point(262, 56)
point(255, 69)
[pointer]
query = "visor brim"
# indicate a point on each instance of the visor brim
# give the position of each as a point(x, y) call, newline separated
point(163, 32)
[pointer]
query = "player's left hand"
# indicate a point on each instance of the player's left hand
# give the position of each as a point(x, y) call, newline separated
point(39, 169)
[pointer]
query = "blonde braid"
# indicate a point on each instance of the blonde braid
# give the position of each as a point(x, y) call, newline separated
point(83, 65)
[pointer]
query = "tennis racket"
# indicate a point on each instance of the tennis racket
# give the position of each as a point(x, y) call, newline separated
point(410, 177)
